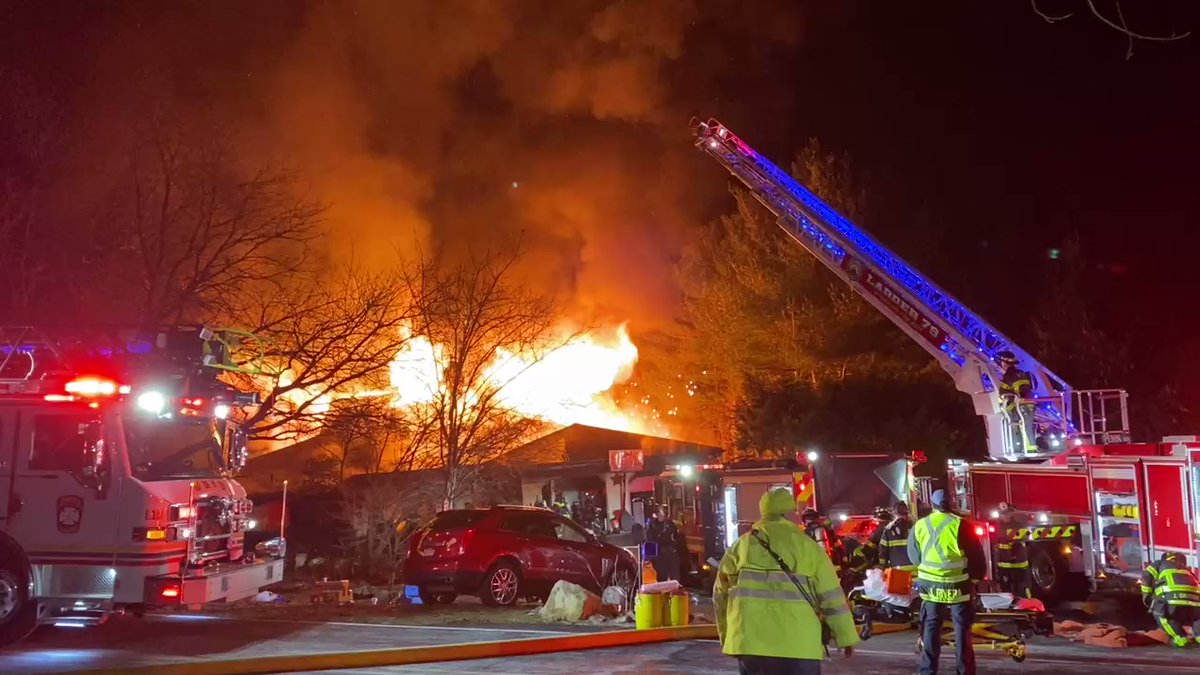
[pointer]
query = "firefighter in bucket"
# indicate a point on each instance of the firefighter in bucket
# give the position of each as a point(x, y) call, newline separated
point(1016, 390)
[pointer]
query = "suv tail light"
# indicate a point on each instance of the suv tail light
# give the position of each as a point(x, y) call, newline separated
point(465, 541)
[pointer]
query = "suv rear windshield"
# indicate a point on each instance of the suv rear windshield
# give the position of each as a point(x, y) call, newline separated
point(453, 520)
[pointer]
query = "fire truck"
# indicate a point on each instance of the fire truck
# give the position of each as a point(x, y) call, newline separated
point(1098, 505)
point(717, 503)
point(116, 491)
point(1094, 516)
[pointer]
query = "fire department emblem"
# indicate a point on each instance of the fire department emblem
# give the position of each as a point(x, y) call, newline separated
point(70, 513)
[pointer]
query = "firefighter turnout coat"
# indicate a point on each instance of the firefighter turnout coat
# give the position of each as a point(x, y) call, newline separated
point(893, 544)
point(760, 612)
point(1169, 583)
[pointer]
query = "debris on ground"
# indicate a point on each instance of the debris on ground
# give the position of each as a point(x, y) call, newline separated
point(268, 596)
point(571, 602)
point(614, 595)
point(1108, 635)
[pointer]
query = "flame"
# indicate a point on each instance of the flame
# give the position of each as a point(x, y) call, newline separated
point(568, 385)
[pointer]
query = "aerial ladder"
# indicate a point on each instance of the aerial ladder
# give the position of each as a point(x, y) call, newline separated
point(962, 343)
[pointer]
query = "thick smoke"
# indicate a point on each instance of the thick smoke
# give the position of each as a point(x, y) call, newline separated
point(463, 124)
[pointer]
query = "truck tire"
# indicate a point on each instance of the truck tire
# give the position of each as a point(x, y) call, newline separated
point(18, 608)
point(1049, 575)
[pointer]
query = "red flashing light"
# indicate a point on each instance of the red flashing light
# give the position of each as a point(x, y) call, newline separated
point(59, 398)
point(991, 528)
point(91, 386)
point(194, 402)
point(170, 592)
point(978, 530)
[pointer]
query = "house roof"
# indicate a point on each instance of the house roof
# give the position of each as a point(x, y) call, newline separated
point(581, 444)
point(293, 456)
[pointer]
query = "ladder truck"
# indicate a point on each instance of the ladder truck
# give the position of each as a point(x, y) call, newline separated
point(1085, 491)
point(117, 489)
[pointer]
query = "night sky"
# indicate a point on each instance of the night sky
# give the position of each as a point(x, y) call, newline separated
point(986, 133)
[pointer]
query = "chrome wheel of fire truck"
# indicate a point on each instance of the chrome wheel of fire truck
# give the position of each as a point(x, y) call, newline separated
point(501, 585)
point(18, 611)
point(1048, 575)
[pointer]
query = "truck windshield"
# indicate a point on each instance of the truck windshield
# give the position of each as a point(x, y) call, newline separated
point(176, 448)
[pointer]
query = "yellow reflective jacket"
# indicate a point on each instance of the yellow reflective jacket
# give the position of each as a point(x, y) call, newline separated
point(759, 610)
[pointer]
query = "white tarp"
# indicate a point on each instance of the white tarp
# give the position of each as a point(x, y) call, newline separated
point(874, 588)
point(567, 602)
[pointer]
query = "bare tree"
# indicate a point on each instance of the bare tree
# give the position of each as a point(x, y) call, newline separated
point(485, 331)
point(370, 435)
point(315, 340)
point(200, 229)
point(1116, 21)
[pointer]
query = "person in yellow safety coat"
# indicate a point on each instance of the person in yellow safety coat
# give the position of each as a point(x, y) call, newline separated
point(949, 560)
point(1016, 387)
point(893, 543)
point(1172, 594)
point(763, 619)
point(1012, 555)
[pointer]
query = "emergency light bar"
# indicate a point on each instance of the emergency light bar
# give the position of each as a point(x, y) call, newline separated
point(94, 386)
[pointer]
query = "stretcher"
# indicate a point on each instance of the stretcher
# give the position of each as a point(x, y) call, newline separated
point(1004, 630)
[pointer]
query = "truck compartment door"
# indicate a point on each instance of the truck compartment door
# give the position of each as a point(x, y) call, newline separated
point(1119, 535)
point(1166, 503)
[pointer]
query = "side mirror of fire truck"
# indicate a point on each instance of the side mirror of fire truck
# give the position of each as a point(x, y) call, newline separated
point(237, 452)
point(93, 471)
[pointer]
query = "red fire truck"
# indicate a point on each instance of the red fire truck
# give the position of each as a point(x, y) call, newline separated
point(1096, 515)
point(1098, 505)
point(717, 503)
point(116, 488)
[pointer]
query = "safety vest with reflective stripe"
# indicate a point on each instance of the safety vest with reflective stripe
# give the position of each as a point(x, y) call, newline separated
point(942, 571)
point(760, 612)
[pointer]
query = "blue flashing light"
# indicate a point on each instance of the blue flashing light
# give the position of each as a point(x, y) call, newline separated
point(139, 347)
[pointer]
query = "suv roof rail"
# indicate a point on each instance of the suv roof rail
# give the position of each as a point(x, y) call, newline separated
point(518, 507)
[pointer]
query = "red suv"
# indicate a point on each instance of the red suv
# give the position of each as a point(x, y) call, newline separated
point(506, 553)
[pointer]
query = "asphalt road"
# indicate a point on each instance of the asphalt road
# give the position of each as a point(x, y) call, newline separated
point(163, 640)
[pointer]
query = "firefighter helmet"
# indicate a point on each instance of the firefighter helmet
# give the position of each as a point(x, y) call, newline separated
point(1006, 357)
point(882, 513)
point(810, 515)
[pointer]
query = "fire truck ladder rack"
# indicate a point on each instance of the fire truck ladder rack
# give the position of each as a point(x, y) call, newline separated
point(962, 342)
point(28, 352)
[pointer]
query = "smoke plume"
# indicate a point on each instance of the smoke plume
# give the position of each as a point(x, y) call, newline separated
point(450, 124)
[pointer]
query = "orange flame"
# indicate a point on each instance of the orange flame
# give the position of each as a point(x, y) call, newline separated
point(568, 385)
